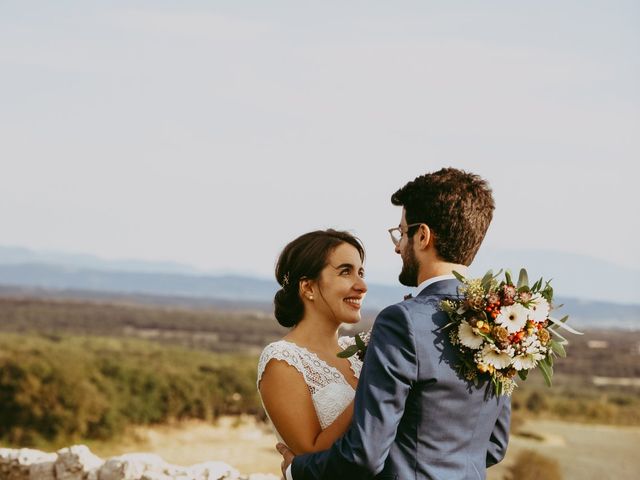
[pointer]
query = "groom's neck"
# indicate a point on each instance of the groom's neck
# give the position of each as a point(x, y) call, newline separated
point(438, 268)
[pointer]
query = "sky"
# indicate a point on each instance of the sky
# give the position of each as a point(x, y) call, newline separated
point(212, 133)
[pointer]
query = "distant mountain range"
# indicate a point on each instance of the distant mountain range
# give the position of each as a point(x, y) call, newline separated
point(573, 275)
point(42, 272)
point(18, 255)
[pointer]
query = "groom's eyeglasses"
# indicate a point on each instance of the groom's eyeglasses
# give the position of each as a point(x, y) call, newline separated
point(397, 232)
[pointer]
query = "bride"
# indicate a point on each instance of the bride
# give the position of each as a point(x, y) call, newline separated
point(306, 390)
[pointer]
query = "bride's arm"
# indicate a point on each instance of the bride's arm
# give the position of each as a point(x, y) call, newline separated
point(287, 399)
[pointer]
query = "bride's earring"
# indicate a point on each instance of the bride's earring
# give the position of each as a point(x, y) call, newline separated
point(306, 288)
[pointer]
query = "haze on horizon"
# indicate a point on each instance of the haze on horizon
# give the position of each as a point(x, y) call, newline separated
point(213, 133)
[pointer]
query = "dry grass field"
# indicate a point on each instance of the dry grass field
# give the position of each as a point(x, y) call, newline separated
point(584, 451)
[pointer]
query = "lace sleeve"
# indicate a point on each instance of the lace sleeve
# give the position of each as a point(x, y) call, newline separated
point(278, 351)
point(315, 372)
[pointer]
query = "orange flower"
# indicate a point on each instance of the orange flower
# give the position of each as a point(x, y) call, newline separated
point(483, 368)
point(544, 336)
point(486, 368)
point(500, 334)
point(511, 372)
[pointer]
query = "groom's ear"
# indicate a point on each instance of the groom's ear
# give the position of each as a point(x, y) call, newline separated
point(425, 236)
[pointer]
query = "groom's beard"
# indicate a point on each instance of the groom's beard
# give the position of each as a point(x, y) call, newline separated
point(410, 266)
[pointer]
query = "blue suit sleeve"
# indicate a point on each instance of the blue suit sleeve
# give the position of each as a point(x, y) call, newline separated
point(500, 435)
point(389, 371)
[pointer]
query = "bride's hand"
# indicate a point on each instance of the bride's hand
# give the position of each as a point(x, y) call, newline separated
point(288, 458)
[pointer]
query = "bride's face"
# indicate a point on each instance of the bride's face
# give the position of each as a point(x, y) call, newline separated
point(341, 286)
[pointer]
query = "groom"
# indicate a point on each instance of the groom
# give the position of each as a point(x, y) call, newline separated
point(414, 416)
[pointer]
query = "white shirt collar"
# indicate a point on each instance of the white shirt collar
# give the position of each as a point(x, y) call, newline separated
point(431, 280)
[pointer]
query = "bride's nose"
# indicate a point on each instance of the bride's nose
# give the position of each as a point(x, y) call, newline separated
point(361, 286)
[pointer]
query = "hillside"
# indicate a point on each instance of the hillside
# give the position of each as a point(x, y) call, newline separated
point(235, 291)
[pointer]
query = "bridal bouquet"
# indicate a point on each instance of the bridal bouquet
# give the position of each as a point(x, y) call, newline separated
point(359, 347)
point(503, 330)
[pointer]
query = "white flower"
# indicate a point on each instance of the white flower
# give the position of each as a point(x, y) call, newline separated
point(468, 337)
point(513, 317)
point(526, 361)
point(492, 356)
point(539, 309)
point(532, 344)
point(365, 337)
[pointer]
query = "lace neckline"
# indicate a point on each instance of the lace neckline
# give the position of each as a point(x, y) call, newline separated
point(331, 367)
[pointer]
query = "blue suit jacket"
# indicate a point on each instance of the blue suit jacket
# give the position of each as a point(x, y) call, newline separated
point(415, 418)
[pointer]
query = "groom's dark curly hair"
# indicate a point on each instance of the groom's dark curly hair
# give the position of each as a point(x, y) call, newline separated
point(456, 205)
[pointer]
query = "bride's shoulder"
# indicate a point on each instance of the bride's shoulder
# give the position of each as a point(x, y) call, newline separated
point(280, 350)
point(278, 347)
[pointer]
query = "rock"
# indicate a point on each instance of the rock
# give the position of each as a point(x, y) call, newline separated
point(76, 463)
point(136, 466)
point(158, 476)
point(93, 474)
point(17, 464)
point(131, 466)
point(213, 471)
point(43, 470)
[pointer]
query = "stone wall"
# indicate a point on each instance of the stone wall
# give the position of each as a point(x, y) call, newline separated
point(79, 463)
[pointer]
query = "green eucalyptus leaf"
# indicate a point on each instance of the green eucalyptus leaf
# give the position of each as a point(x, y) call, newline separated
point(557, 335)
point(450, 324)
point(523, 278)
point(350, 351)
point(486, 280)
point(359, 343)
point(558, 348)
point(507, 276)
point(458, 276)
point(523, 374)
point(546, 372)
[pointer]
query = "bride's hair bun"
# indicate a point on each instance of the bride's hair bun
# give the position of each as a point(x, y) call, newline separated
point(304, 258)
point(288, 307)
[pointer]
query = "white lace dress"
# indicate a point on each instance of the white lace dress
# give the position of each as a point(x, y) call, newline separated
point(330, 391)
